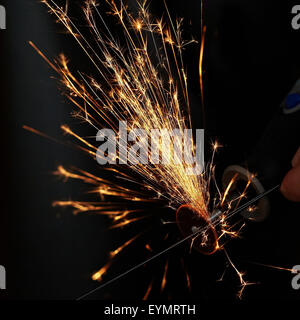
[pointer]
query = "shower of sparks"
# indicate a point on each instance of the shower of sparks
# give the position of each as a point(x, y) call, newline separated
point(147, 92)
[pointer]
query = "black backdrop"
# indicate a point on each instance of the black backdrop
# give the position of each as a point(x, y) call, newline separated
point(251, 62)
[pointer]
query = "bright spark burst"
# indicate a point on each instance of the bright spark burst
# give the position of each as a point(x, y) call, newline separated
point(148, 93)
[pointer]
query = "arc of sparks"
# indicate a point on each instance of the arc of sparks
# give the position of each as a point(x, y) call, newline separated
point(196, 233)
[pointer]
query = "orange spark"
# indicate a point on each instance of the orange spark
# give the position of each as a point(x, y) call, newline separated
point(123, 246)
point(148, 290)
point(147, 246)
point(97, 276)
point(228, 188)
point(164, 279)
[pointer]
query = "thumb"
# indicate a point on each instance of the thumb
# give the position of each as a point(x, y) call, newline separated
point(290, 186)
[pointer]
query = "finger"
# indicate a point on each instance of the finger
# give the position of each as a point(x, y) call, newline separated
point(290, 186)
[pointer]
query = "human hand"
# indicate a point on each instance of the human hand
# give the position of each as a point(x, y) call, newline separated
point(290, 186)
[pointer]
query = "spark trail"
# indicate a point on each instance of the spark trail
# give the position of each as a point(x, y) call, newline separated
point(148, 91)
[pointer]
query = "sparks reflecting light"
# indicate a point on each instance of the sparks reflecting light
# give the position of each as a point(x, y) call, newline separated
point(148, 91)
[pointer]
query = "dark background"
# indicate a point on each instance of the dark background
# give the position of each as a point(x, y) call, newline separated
point(251, 62)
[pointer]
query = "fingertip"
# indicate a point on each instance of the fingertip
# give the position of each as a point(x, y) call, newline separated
point(290, 187)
